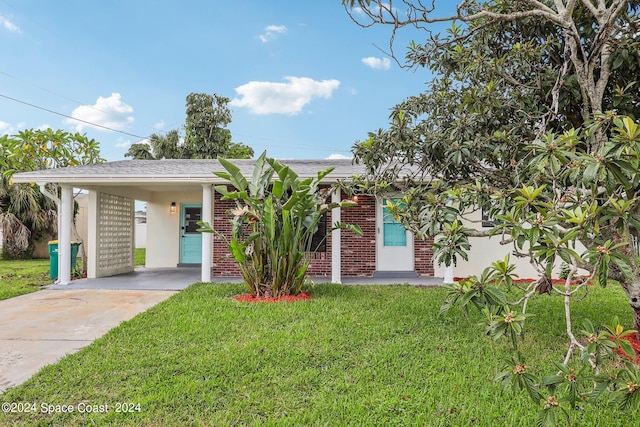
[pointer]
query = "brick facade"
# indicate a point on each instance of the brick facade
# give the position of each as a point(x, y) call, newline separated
point(223, 263)
point(358, 252)
point(423, 258)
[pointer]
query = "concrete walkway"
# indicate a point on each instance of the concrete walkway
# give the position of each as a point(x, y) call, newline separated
point(179, 278)
point(38, 329)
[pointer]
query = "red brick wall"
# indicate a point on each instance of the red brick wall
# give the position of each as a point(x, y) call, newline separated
point(423, 257)
point(358, 252)
point(223, 262)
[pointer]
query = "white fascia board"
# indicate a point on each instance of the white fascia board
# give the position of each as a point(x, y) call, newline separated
point(93, 179)
point(137, 180)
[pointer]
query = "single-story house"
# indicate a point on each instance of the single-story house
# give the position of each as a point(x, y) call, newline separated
point(179, 193)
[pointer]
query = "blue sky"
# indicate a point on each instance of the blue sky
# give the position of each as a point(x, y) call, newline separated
point(304, 80)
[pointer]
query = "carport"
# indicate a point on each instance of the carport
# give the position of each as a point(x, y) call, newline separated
point(113, 189)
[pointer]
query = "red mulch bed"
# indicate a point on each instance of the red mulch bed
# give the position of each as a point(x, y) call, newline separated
point(636, 346)
point(287, 298)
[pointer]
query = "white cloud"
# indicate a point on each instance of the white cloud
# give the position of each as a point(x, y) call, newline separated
point(271, 32)
point(282, 98)
point(338, 157)
point(159, 125)
point(108, 112)
point(377, 63)
point(123, 143)
point(8, 25)
point(6, 128)
point(44, 126)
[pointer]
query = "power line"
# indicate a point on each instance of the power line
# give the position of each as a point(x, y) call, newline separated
point(44, 89)
point(72, 118)
point(277, 144)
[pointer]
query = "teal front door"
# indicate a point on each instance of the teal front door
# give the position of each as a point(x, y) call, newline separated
point(190, 239)
point(394, 243)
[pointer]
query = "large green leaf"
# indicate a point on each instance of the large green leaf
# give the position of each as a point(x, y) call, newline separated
point(603, 272)
point(269, 219)
point(355, 228)
point(277, 189)
point(324, 173)
point(234, 175)
point(290, 204)
point(623, 264)
point(222, 189)
point(237, 250)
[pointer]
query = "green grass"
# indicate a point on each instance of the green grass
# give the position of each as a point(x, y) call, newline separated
point(352, 355)
point(139, 256)
point(18, 277)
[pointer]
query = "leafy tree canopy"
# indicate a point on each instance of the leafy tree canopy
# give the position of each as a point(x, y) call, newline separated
point(533, 115)
point(25, 214)
point(206, 134)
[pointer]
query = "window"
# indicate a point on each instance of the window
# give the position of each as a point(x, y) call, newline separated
point(394, 234)
point(191, 218)
point(318, 241)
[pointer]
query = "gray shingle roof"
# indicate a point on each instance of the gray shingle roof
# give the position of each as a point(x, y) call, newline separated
point(175, 171)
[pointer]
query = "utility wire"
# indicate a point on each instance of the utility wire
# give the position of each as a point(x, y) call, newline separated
point(145, 137)
point(72, 118)
point(62, 96)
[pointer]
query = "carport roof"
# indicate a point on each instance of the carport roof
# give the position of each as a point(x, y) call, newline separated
point(175, 171)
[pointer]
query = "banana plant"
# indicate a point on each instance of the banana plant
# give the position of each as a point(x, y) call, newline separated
point(276, 216)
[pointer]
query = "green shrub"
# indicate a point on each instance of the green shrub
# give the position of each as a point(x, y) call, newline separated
point(273, 224)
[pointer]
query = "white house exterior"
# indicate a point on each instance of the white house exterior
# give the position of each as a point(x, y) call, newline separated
point(178, 193)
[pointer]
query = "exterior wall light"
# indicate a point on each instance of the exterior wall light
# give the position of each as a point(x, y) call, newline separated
point(172, 208)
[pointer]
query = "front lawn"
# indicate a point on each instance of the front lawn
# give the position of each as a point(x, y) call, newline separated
point(352, 355)
point(23, 276)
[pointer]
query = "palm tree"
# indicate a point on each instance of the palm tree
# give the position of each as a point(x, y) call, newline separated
point(158, 147)
point(26, 215)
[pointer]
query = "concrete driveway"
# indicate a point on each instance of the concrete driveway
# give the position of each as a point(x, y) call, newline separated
point(40, 328)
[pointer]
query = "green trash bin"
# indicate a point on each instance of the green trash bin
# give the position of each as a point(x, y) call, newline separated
point(53, 258)
point(74, 255)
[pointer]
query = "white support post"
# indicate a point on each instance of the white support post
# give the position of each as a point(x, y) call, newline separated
point(448, 271)
point(92, 235)
point(336, 246)
point(207, 238)
point(448, 275)
point(64, 235)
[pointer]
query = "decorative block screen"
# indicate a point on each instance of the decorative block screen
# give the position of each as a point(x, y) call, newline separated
point(115, 234)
